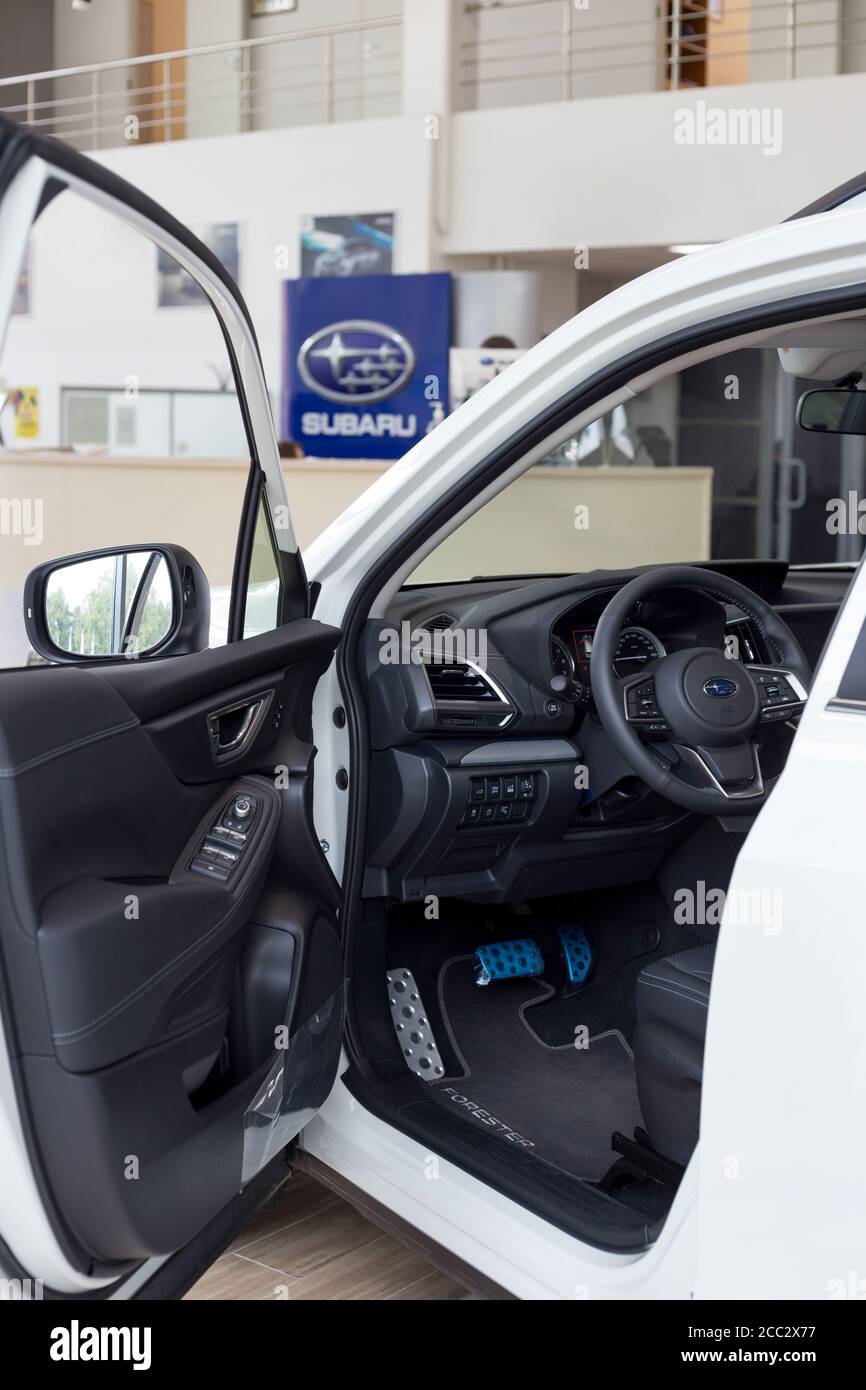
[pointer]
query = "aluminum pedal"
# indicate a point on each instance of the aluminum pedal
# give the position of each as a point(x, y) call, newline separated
point(412, 1026)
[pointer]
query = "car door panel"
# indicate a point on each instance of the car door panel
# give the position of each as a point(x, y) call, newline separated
point(144, 997)
point(167, 1031)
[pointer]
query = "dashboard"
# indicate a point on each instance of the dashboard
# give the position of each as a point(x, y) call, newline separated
point(652, 630)
point(570, 656)
point(477, 750)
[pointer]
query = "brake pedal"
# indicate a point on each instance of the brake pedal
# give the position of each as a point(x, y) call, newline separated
point(412, 1026)
point(507, 960)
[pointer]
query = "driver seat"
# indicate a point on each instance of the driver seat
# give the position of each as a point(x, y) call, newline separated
point(672, 1000)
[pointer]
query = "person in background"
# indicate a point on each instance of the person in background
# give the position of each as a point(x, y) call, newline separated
point(290, 449)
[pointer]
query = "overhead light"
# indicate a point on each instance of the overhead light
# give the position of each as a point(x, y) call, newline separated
point(687, 247)
point(81, 4)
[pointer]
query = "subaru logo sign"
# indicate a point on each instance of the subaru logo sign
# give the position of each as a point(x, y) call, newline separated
point(355, 361)
point(720, 687)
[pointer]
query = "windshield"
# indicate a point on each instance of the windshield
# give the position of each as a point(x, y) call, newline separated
point(708, 464)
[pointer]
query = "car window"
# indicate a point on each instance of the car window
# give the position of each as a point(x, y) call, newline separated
point(262, 610)
point(119, 421)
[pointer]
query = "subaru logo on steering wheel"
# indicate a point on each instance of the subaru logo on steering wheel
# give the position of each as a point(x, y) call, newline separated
point(720, 687)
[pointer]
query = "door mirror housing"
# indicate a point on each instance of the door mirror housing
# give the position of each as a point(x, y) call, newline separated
point(833, 412)
point(124, 603)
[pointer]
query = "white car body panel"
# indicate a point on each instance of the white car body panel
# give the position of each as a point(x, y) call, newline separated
point(783, 1119)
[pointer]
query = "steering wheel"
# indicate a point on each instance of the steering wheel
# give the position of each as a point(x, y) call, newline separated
point(700, 707)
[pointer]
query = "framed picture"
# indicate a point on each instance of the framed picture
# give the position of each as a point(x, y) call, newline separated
point(176, 289)
point(335, 247)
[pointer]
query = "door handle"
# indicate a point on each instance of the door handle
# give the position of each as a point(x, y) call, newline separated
point(233, 728)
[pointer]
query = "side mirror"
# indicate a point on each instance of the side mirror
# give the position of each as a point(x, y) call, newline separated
point(126, 602)
point(833, 412)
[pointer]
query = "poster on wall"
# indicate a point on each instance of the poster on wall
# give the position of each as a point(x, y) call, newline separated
point(343, 246)
point(25, 403)
point(365, 371)
point(176, 289)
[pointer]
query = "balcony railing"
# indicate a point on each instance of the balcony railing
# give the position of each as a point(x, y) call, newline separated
point(308, 76)
point(512, 52)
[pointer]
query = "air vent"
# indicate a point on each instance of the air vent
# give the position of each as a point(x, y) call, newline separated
point(440, 622)
point(458, 681)
point(752, 650)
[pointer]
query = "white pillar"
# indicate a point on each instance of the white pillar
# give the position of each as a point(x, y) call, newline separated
point(428, 66)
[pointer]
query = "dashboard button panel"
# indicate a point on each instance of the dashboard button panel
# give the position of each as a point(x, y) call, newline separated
point(500, 799)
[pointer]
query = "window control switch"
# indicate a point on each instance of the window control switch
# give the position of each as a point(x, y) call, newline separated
point(210, 870)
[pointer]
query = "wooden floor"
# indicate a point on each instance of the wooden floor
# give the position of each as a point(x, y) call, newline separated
point(309, 1244)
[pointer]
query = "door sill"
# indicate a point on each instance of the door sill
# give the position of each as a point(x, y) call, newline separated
point(574, 1206)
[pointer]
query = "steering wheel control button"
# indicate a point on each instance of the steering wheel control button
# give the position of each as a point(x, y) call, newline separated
point(641, 705)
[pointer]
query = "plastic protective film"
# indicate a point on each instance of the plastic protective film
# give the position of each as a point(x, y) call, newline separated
point(296, 1086)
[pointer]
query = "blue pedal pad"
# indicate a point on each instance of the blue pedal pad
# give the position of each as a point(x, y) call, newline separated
point(507, 960)
point(576, 951)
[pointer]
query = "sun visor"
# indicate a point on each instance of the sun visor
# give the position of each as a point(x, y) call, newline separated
point(822, 363)
point(823, 352)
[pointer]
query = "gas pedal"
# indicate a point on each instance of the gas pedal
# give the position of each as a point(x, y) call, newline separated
point(576, 951)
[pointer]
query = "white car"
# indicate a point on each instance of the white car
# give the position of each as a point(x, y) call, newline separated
point(541, 933)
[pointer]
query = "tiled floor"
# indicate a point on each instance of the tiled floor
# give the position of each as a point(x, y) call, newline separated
point(309, 1244)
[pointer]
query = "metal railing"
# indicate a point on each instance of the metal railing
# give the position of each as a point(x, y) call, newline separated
point(324, 74)
point(548, 50)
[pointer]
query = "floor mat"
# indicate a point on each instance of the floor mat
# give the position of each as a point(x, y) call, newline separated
point(562, 1102)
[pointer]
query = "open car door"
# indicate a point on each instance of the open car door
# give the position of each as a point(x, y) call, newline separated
point(171, 976)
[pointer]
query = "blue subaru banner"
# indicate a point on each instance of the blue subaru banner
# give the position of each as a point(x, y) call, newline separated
point(365, 363)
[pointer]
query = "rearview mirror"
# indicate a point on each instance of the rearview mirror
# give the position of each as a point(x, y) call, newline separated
point(833, 412)
point(122, 603)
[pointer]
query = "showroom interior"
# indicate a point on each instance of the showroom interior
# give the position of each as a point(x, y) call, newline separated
point(472, 173)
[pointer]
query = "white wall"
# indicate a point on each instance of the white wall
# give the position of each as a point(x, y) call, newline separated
point(213, 79)
point(608, 173)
